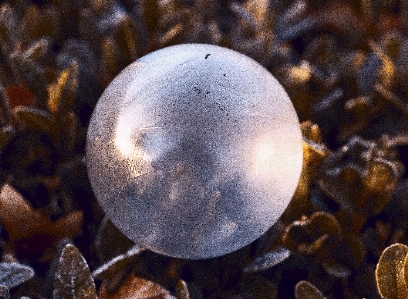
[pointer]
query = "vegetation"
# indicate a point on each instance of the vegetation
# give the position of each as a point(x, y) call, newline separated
point(343, 63)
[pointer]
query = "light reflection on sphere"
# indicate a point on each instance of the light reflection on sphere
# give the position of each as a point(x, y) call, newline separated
point(194, 151)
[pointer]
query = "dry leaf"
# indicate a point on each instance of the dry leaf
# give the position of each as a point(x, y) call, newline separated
point(6, 133)
point(18, 218)
point(108, 269)
point(35, 119)
point(389, 273)
point(268, 260)
point(307, 236)
point(22, 221)
point(4, 292)
point(67, 226)
point(257, 286)
point(14, 274)
point(150, 14)
point(29, 229)
point(305, 290)
point(182, 290)
point(72, 278)
point(19, 95)
point(61, 95)
point(37, 49)
point(107, 235)
point(136, 288)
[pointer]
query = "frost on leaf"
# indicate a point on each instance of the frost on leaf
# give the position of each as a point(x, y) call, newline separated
point(268, 260)
point(14, 274)
point(136, 288)
point(108, 269)
point(390, 272)
point(72, 278)
point(182, 290)
point(305, 290)
point(4, 292)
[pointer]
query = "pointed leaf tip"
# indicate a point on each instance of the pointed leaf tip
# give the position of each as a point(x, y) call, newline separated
point(72, 278)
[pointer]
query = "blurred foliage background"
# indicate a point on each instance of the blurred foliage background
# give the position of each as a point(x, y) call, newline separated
point(343, 63)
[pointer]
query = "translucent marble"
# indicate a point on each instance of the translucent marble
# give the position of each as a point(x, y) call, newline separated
point(194, 151)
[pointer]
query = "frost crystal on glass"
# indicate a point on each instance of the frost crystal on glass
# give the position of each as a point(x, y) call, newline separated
point(194, 151)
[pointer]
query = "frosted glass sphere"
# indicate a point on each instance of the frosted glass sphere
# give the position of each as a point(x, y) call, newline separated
point(194, 151)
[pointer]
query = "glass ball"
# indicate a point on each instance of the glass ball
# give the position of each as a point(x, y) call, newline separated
point(194, 151)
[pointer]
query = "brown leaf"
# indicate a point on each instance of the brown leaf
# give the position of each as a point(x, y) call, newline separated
point(6, 133)
point(61, 95)
point(311, 131)
point(257, 286)
point(150, 13)
point(19, 95)
point(109, 56)
point(313, 154)
point(67, 226)
point(310, 235)
point(69, 125)
point(136, 288)
point(35, 119)
point(125, 38)
point(29, 229)
point(72, 278)
point(268, 260)
point(38, 22)
point(358, 178)
point(4, 292)
point(108, 269)
point(344, 256)
point(390, 274)
point(107, 235)
point(388, 69)
point(37, 49)
point(18, 218)
point(182, 290)
point(305, 290)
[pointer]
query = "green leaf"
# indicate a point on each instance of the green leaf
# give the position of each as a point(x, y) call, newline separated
point(72, 278)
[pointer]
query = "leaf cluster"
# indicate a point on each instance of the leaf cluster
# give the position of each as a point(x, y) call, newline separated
point(344, 65)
